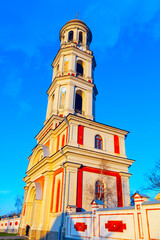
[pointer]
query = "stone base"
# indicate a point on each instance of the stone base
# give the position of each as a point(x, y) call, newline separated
point(52, 235)
point(22, 231)
point(32, 234)
point(39, 234)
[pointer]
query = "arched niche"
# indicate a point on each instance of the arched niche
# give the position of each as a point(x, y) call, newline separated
point(80, 67)
point(70, 36)
point(80, 39)
point(31, 194)
point(80, 102)
point(39, 153)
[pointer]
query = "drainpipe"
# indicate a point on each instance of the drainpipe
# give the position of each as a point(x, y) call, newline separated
point(65, 119)
point(62, 228)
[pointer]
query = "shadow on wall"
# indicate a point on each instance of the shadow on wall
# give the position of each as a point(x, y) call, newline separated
point(56, 229)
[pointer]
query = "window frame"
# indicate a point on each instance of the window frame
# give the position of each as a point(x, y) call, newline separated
point(98, 142)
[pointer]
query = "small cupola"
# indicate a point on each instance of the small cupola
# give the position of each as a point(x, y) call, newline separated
point(75, 32)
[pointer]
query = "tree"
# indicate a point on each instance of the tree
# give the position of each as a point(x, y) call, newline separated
point(104, 188)
point(153, 178)
point(19, 204)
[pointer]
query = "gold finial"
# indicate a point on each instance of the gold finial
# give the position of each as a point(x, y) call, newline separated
point(77, 15)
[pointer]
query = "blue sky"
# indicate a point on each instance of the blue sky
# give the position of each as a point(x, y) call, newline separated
point(126, 45)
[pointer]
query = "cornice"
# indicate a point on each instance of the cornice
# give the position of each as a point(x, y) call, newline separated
point(47, 164)
point(94, 124)
point(70, 48)
point(94, 154)
point(46, 123)
point(69, 78)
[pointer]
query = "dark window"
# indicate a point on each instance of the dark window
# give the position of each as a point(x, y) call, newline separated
point(70, 37)
point(80, 37)
point(78, 103)
point(99, 190)
point(98, 142)
point(79, 68)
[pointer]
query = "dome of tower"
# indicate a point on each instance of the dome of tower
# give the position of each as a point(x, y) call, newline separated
point(78, 25)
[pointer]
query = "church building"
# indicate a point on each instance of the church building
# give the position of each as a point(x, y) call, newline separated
point(76, 159)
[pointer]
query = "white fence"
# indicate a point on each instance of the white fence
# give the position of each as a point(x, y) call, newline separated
point(9, 224)
point(139, 222)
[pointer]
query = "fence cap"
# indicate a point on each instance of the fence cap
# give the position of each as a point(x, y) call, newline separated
point(97, 202)
point(138, 196)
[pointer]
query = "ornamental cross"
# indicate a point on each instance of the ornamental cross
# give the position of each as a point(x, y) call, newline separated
point(77, 15)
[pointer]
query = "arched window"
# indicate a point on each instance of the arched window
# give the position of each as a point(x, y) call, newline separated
point(70, 36)
point(80, 67)
point(80, 37)
point(99, 190)
point(78, 102)
point(98, 142)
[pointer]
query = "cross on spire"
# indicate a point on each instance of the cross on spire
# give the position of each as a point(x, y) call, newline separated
point(77, 15)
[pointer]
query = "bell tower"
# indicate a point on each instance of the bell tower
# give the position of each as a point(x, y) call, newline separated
point(76, 159)
point(72, 89)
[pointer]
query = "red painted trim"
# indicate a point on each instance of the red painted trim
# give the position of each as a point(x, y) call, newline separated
point(53, 187)
point(58, 195)
point(62, 190)
point(115, 226)
point(94, 226)
point(98, 171)
point(80, 134)
point(116, 144)
point(63, 139)
point(79, 189)
point(52, 193)
point(24, 209)
point(80, 226)
point(58, 137)
point(140, 227)
point(119, 191)
point(66, 135)
point(47, 143)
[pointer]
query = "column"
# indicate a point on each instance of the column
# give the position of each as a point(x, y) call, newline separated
point(71, 184)
point(125, 188)
point(49, 107)
point(89, 104)
point(89, 69)
point(22, 221)
point(46, 202)
point(56, 99)
point(70, 98)
point(61, 65)
point(72, 63)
